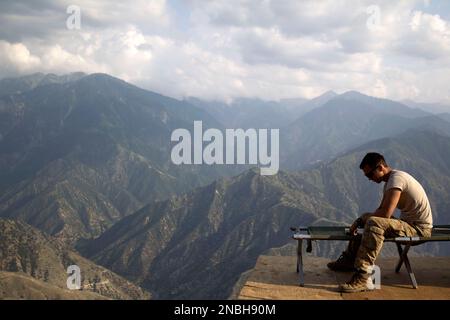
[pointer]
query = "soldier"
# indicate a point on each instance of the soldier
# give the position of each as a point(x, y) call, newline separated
point(400, 191)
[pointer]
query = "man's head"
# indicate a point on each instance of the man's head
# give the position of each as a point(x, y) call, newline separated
point(375, 167)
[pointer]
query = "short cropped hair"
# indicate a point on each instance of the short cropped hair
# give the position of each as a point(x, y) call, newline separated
point(372, 159)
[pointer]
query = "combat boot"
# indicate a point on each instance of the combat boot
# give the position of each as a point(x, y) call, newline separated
point(343, 263)
point(358, 283)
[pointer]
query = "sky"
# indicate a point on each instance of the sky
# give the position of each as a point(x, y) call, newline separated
point(221, 50)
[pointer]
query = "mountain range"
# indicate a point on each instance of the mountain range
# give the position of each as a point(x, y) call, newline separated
point(256, 113)
point(87, 179)
point(321, 128)
point(79, 154)
point(41, 261)
point(346, 121)
point(436, 108)
point(195, 245)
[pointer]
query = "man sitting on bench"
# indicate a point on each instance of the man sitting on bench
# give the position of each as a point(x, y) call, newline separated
point(401, 190)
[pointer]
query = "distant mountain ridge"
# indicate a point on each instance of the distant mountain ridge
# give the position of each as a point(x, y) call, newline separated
point(346, 121)
point(321, 128)
point(435, 108)
point(29, 82)
point(256, 113)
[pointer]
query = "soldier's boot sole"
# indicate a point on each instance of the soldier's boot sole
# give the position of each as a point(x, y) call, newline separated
point(355, 290)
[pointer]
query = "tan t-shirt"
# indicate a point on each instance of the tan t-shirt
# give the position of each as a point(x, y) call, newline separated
point(413, 203)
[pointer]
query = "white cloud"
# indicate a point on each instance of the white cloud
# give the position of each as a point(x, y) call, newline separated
point(225, 49)
point(16, 58)
point(428, 37)
point(143, 13)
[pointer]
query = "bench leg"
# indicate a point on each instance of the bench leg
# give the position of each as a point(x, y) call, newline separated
point(400, 254)
point(300, 263)
point(404, 258)
point(408, 267)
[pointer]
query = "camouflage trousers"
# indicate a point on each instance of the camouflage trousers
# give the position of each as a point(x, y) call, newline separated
point(365, 248)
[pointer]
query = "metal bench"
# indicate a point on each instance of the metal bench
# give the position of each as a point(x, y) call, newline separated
point(439, 233)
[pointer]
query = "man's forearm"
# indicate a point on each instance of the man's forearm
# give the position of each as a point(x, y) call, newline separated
point(381, 213)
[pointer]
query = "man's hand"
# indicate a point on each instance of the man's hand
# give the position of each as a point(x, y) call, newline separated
point(385, 210)
point(354, 226)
